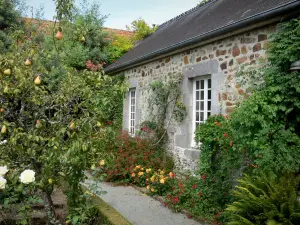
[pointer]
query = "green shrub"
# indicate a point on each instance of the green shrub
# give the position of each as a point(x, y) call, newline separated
point(263, 200)
point(128, 152)
point(262, 134)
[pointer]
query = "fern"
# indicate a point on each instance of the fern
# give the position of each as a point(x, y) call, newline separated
point(263, 200)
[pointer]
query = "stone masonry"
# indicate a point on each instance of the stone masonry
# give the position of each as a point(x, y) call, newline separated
point(221, 60)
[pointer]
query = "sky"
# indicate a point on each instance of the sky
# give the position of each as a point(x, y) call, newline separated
point(122, 12)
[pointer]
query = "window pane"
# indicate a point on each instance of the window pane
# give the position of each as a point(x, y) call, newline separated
point(197, 116)
point(209, 83)
point(209, 94)
point(208, 114)
point(202, 105)
point(197, 85)
point(197, 106)
point(197, 95)
point(202, 84)
point(209, 105)
point(201, 116)
point(202, 95)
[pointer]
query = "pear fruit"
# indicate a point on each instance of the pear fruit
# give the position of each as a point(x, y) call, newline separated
point(3, 129)
point(7, 72)
point(59, 35)
point(37, 80)
point(6, 90)
point(72, 125)
point(2, 110)
point(27, 62)
point(38, 124)
point(50, 181)
point(82, 39)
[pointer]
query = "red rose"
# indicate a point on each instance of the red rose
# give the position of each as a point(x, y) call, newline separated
point(203, 176)
point(194, 186)
point(225, 135)
point(200, 194)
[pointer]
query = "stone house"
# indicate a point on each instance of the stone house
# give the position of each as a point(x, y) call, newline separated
point(206, 45)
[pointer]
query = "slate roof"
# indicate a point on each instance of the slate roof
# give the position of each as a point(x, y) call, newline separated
point(201, 23)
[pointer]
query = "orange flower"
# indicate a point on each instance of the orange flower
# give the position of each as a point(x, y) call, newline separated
point(172, 175)
point(141, 174)
point(133, 175)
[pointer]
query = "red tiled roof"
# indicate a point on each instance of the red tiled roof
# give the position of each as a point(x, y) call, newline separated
point(44, 24)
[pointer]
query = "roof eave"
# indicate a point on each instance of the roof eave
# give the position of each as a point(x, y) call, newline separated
point(255, 19)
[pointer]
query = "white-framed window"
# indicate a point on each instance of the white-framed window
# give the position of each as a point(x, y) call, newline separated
point(132, 111)
point(202, 101)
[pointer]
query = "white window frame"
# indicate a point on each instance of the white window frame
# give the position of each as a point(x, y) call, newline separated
point(132, 111)
point(201, 108)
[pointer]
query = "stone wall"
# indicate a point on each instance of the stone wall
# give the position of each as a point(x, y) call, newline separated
point(220, 59)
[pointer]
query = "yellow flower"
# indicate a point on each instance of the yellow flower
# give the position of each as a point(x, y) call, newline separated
point(142, 169)
point(148, 170)
point(162, 181)
point(102, 162)
point(138, 166)
point(152, 178)
point(162, 172)
point(148, 187)
point(152, 189)
point(133, 175)
point(141, 174)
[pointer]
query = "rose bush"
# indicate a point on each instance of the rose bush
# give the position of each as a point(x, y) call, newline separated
point(27, 176)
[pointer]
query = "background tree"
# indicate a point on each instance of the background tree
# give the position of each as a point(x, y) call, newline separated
point(141, 29)
point(52, 107)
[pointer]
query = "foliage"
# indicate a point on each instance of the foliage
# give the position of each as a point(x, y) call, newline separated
point(203, 2)
point(119, 46)
point(51, 109)
point(263, 200)
point(262, 134)
point(16, 192)
point(64, 9)
point(165, 96)
point(141, 29)
point(9, 20)
point(285, 45)
point(9, 14)
point(83, 38)
point(160, 182)
point(127, 153)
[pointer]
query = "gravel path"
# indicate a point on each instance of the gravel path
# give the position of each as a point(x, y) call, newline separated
point(140, 209)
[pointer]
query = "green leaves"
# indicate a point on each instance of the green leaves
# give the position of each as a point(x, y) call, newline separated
point(265, 200)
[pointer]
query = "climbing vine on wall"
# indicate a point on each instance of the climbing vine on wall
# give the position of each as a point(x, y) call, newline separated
point(165, 106)
point(164, 100)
